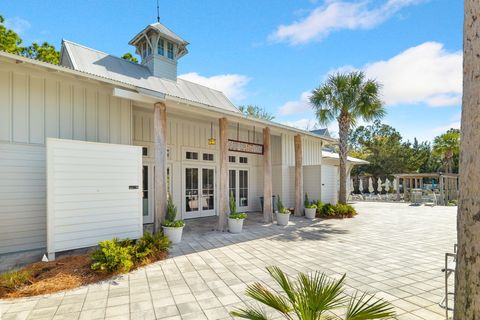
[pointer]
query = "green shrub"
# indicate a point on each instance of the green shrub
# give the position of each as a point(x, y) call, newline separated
point(232, 204)
point(171, 215)
point(319, 205)
point(306, 202)
point(280, 207)
point(337, 210)
point(149, 244)
point(238, 215)
point(311, 206)
point(15, 279)
point(111, 256)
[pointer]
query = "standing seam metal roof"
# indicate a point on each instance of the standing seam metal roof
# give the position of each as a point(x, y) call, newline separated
point(104, 65)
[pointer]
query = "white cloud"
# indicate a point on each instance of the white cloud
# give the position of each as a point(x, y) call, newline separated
point(337, 15)
point(17, 24)
point(423, 74)
point(305, 124)
point(232, 85)
point(297, 106)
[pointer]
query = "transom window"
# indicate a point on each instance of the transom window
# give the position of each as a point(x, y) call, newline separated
point(232, 159)
point(170, 50)
point(243, 159)
point(191, 155)
point(208, 156)
point(161, 47)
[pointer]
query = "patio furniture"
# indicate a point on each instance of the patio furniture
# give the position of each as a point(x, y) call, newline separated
point(416, 197)
point(448, 270)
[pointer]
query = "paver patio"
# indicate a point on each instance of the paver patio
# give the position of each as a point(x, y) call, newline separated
point(393, 250)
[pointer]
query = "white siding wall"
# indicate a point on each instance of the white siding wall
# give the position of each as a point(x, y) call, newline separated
point(34, 105)
point(89, 199)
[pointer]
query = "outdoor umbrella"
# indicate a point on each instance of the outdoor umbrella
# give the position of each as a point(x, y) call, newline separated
point(352, 186)
point(387, 185)
point(379, 185)
point(360, 185)
point(370, 185)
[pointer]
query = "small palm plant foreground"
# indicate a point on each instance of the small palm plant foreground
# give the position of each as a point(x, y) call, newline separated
point(311, 297)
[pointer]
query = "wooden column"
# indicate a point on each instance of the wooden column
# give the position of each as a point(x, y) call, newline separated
point(267, 177)
point(298, 176)
point(160, 133)
point(397, 179)
point(223, 177)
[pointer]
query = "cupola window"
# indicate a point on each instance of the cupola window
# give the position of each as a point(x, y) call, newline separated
point(161, 47)
point(170, 50)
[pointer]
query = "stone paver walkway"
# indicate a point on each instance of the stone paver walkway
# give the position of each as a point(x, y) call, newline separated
point(393, 250)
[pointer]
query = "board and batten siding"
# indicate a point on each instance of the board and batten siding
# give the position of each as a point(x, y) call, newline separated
point(35, 105)
point(94, 193)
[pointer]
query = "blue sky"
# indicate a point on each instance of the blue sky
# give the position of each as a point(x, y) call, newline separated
point(273, 53)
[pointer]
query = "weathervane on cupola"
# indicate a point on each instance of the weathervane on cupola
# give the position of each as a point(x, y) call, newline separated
point(160, 48)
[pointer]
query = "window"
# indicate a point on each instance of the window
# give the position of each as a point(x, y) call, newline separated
point(207, 157)
point(243, 159)
point(144, 151)
point(191, 155)
point(170, 50)
point(145, 190)
point(161, 47)
point(232, 184)
point(231, 159)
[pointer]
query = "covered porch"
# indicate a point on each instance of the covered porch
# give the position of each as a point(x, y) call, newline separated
point(442, 186)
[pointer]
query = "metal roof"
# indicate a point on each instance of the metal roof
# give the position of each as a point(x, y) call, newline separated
point(107, 66)
point(163, 30)
point(321, 132)
point(334, 155)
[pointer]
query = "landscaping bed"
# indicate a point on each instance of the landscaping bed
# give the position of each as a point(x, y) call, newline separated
point(113, 257)
point(336, 211)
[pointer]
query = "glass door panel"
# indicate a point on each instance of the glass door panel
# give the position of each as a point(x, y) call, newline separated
point(191, 190)
point(208, 191)
point(232, 184)
point(243, 188)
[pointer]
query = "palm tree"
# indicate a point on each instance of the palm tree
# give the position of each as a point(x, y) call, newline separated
point(347, 98)
point(311, 297)
point(467, 274)
point(447, 146)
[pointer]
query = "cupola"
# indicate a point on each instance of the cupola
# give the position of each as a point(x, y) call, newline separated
point(159, 49)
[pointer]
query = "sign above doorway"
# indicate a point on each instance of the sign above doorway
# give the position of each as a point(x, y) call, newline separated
point(245, 147)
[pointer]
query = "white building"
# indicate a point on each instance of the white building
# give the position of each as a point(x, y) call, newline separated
point(116, 136)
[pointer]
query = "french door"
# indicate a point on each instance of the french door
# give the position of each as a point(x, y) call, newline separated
point(238, 186)
point(199, 192)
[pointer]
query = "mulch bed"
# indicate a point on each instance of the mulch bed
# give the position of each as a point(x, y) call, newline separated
point(65, 273)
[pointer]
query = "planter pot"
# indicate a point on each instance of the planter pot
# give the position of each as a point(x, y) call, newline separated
point(174, 234)
point(235, 225)
point(282, 218)
point(310, 213)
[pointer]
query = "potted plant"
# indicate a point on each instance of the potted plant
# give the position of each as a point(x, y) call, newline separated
point(172, 228)
point(283, 214)
point(235, 219)
point(310, 208)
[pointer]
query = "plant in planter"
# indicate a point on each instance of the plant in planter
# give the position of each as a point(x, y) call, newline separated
point(235, 219)
point(283, 214)
point(310, 208)
point(172, 228)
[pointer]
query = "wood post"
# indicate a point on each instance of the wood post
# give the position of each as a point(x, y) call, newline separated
point(223, 189)
point(160, 133)
point(298, 176)
point(398, 187)
point(267, 177)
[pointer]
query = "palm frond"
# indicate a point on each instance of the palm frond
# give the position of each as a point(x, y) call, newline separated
point(366, 308)
point(250, 312)
point(283, 281)
point(261, 294)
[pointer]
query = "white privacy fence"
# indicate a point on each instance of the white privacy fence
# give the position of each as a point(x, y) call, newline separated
point(93, 193)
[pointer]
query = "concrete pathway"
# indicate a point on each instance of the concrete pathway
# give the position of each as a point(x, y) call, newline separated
point(393, 250)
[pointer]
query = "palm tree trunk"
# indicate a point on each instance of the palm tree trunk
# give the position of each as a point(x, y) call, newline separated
point(467, 275)
point(343, 126)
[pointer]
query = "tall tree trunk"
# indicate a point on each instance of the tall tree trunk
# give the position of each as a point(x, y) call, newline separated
point(467, 275)
point(343, 126)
